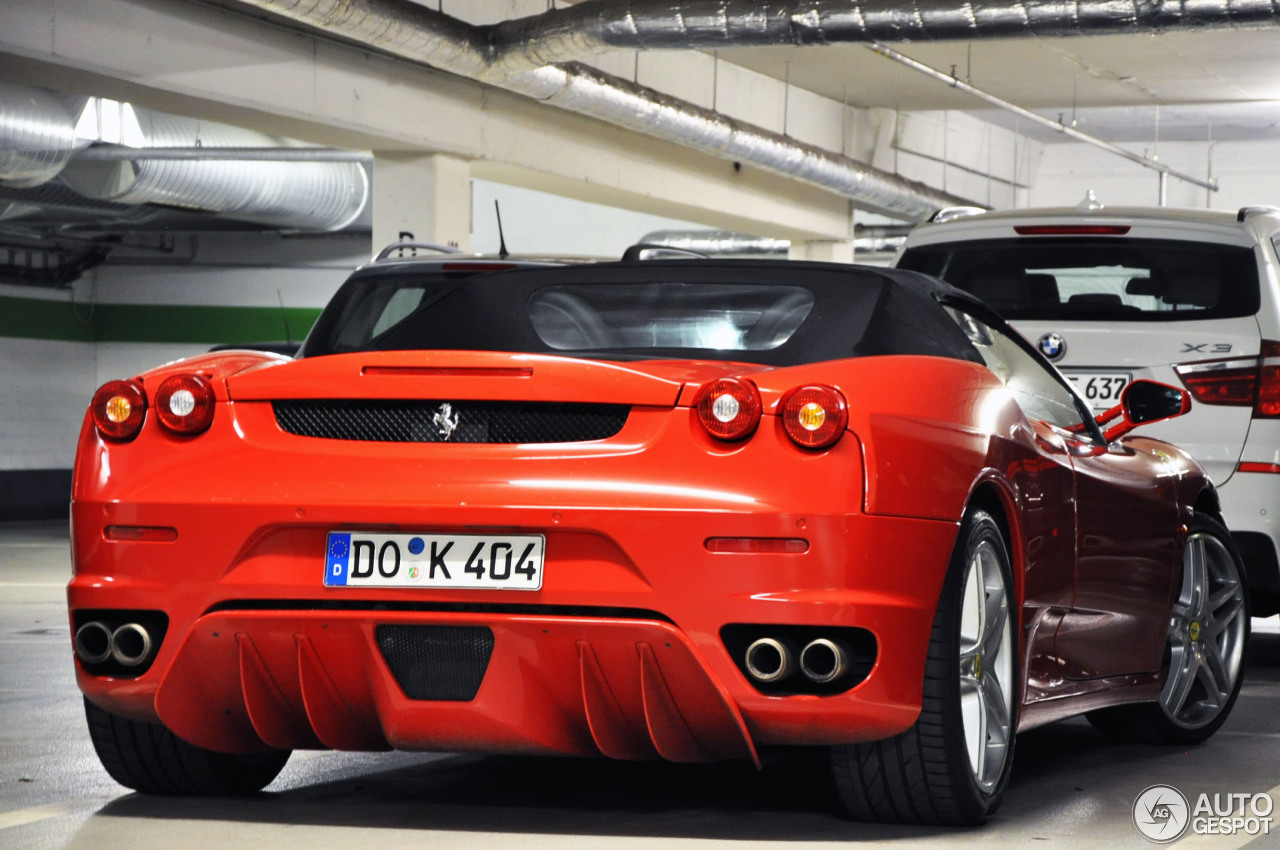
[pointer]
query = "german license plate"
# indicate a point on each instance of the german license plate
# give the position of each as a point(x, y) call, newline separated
point(1100, 389)
point(456, 561)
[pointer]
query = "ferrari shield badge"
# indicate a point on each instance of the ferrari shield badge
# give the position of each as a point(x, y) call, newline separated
point(445, 420)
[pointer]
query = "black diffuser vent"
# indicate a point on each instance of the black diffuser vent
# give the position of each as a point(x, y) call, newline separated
point(414, 421)
point(437, 662)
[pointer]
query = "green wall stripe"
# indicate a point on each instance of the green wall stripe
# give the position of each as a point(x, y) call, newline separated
point(30, 318)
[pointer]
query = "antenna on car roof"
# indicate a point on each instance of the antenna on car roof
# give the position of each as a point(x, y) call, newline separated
point(503, 253)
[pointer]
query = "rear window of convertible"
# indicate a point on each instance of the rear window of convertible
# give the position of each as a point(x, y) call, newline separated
point(720, 316)
point(782, 314)
point(1105, 278)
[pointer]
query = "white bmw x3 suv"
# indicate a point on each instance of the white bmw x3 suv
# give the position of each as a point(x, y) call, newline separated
point(1111, 295)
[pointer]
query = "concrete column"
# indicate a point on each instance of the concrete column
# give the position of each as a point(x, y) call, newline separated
point(427, 195)
point(827, 251)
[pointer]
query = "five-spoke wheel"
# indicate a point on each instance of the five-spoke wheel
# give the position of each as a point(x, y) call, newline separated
point(986, 665)
point(952, 766)
point(1207, 632)
point(1204, 649)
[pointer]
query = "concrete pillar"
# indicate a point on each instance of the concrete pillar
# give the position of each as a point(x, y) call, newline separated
point(427, 195)
point(828, 251)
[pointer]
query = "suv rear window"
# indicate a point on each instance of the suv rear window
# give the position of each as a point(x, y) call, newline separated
point(1111, 279)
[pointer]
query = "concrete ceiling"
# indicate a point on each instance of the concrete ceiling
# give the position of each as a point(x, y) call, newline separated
point(1219, 84)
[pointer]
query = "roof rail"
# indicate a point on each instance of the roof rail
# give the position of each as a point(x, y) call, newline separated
point(951, 213)
point(636, 251)
point(416, 247)
point(1257, 209)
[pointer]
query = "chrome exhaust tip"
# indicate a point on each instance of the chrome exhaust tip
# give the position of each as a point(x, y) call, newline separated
point(130, 645)
point(823, 661)
point(93, 643)
point(769, 660)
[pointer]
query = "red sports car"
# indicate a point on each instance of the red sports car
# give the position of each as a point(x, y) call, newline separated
point(682, 510)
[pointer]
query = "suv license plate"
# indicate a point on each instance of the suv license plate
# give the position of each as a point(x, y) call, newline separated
point(455, 561)
point(1100, 389)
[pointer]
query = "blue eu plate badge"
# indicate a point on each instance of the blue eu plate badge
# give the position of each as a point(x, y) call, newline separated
point(339, 558)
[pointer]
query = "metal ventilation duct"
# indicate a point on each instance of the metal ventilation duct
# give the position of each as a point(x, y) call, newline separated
point(591, 27)
point(37, 136)
point(411, 31)
point(521, 55)
point(303, 195)
point(867, 240)
point(718, 242)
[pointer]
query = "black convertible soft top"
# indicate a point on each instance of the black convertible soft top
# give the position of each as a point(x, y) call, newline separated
point(778, 313)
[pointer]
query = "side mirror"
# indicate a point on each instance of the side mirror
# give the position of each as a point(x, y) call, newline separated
point(1143, 402)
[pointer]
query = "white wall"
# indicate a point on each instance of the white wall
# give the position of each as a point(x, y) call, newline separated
point(540, 223)
point(1248, 173)
point(46, 384)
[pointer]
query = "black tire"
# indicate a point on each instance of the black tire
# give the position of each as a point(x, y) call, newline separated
point(149, 758)
point(926, 774)
point(1222, 634)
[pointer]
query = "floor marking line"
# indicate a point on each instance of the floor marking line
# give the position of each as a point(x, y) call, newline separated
point(22, 817)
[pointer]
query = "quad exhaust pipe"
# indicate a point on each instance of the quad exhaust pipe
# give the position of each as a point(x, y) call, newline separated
point(128, 645)
point(823, 661)
point(771, 660)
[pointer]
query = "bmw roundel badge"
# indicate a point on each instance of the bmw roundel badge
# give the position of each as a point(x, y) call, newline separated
point(1053, 346)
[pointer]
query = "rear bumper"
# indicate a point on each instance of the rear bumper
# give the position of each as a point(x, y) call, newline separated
point(619, 654)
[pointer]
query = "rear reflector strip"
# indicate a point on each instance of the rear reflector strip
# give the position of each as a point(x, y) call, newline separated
point(1256, 466)
point(148, 533)
point(758, 545)
point(1071, 229)
point(449, 371)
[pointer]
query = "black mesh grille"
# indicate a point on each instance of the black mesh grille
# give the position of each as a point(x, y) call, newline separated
point(453, 422)
point(437, 662)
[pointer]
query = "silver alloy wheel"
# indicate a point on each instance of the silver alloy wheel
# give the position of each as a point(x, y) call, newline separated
point(1206, 635)
point(986, 666)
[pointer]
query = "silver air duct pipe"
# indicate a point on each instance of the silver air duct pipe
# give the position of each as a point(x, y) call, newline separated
point(37, 136)
point(410, 31)
point(717, 242)
point(305, 195)
point(596, 26)
point(868, 239)
point(520, 55)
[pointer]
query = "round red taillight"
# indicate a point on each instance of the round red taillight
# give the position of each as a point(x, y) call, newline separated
point(729, 408)
point(118, 409)
point(184, 403)
point(815, 416)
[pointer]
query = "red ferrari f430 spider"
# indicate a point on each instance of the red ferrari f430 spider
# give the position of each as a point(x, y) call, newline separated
point(677, 509)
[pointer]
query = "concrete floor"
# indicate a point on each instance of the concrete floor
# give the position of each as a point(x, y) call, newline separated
point(1071, 788)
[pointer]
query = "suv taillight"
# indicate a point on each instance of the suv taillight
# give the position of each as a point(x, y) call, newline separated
point(1241, 381)
point(1268, 404)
